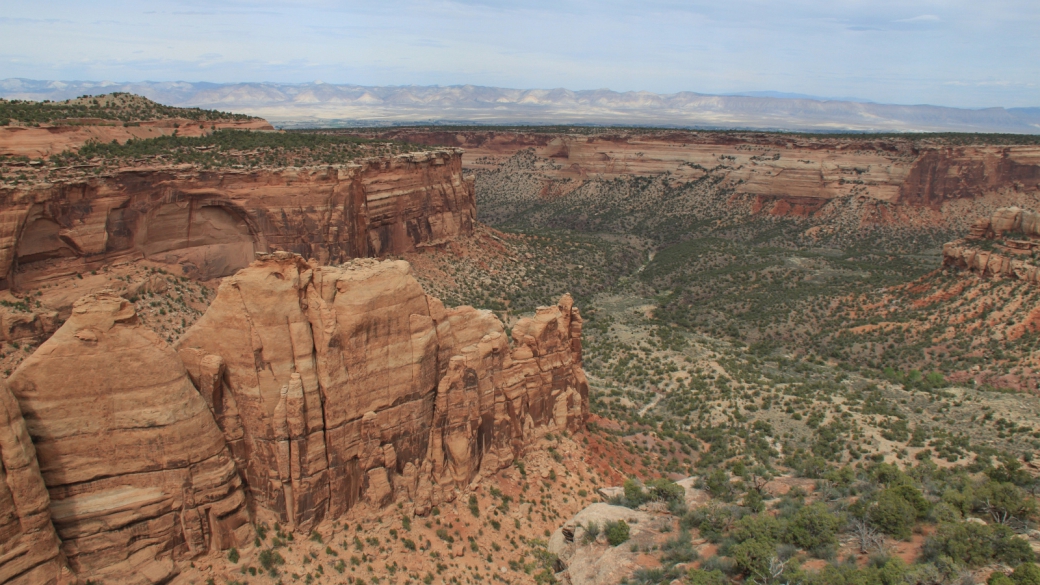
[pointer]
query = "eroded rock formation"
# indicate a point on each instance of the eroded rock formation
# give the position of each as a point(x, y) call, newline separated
point(333, 384)
point(1004, 244)
point(138, 472)
point(28, 545)
point(212, 222)
point(303, 390)
point(782, 175)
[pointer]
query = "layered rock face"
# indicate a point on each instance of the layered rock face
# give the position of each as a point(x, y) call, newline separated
point(784, 175)
point(138, 472)
point(211, 223)
point(28, 544)
point(333, 384)
point(1012, 258)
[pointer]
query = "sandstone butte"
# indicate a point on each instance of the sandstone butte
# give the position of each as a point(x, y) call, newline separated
point(211, 223)
point(301, 391)
point(1014, 258)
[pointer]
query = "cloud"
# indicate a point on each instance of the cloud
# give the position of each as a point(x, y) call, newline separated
point(921, 18)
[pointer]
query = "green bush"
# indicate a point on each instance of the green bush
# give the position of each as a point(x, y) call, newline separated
point(634, 494)
point(664, 490)
point(617, 532)
point(813, 528)
point(998, 578)
point(977, 545)
point(1026, 574)
point(702, 577)
point(753, 555)
point(892, 514)
point(763, 527)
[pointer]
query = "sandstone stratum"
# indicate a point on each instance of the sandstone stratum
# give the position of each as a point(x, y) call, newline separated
point(1002, 245)
point(210, 223)
point(302, 391)
point(886, 179)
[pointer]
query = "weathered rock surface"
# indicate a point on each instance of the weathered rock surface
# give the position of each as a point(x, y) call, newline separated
point(333, 384)
point(782, 175)
point(28, 544)
point(137, 470)
point(211, 223)
point(1013, 258)
point(596, 562)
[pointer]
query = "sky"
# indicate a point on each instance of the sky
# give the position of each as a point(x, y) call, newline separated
point(962, 53)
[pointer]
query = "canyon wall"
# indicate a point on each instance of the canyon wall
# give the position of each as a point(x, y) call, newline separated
point(302, 391)
point(211, 223)
point(1003, 245)
point(784, 175)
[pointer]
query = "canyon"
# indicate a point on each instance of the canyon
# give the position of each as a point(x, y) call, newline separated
point(312, 356)
point(863, 180)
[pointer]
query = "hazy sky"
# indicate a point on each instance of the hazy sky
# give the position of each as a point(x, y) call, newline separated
point(968, 53)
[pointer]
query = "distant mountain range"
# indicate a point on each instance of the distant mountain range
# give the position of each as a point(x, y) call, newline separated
point(324, 104)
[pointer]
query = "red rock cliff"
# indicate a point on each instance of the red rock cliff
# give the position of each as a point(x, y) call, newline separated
point(137, 471)
point(212, 222)
point(334, 384)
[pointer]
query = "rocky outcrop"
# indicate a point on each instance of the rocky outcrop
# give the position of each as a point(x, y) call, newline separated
point(28, 544)
point(211, 223)
point(956, 173)
point(1004, 244)
point(337, 384)
point(780, 174)
point(138, 472)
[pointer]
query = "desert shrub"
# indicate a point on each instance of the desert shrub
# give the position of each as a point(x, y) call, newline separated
point(977, 545)
point(634, 494)
point(720, 565)
point(617, 532)
point(763, 527)
point(704, 577)
point(711, 520)
point(270, 558)
point(752, 556)
point(591, 532)
point(679, 550)
point(1003, 502)
point(943, 512)
point(1024, 574)
point(892, 514)
point(664, 490)
point(718, 485)
point(753, 501)
point(813, 528)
